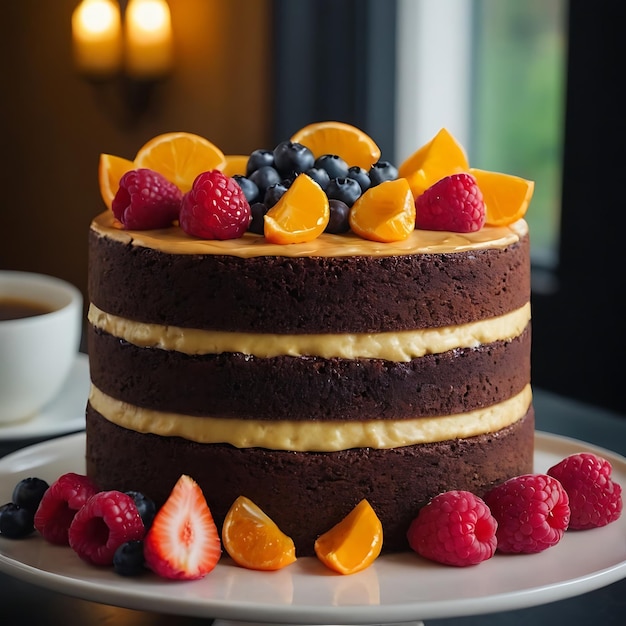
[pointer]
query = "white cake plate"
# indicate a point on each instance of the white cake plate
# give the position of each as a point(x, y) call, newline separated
point(395, 589)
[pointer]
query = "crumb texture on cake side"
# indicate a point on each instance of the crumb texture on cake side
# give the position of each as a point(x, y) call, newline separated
point(433, 344)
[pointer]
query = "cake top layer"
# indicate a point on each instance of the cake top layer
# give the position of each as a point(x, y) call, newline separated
point(174, 240)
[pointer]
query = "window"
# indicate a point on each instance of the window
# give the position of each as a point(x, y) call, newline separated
point(493, 73)
point(402, 69)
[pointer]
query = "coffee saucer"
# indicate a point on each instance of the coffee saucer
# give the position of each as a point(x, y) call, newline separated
point(64, 414)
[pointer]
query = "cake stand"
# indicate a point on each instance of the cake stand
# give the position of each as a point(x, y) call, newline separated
point(401, 588)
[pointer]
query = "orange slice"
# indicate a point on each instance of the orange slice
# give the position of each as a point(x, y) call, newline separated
point(506, 197)
point(385, 212)
point(180, 157)
point(253, 540)
point(301, 214)
point(349, 142)
point(354, 543)
point(111, 168)
point(235, 164)
point(442, 156)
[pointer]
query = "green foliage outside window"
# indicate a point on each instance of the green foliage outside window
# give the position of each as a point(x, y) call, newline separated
point(518, 104)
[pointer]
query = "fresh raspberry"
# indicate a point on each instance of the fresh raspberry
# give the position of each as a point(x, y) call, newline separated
point(215, 208)
point(532, 513)
point(106, 521)
point(594, 499)
point(454, 203)
point(454, 528)
point(145, 200)
point(59, 504)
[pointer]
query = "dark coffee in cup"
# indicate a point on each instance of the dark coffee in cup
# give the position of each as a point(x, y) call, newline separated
point(18, 308)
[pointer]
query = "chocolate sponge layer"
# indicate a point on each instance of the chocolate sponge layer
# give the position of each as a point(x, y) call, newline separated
point(308, 493)
point(268, 294)
point(246, 387)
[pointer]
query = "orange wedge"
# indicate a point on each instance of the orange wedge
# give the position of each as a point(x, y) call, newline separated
point(111, 168)
point(301, 214)
point(354, 543)
point(442, 156)
point(180, 157)
point(253, 540)
point(506, 197)
point(235, 164)
point(385, 212)
point(349, 142)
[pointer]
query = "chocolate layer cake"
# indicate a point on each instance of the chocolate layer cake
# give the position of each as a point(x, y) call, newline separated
point(310, 376)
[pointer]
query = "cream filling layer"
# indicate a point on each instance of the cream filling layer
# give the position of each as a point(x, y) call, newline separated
point(309, 436)
point(392, 346)
point(173, 240)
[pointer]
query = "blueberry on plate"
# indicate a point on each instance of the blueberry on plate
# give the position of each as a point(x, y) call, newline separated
point(16, 522)
point(28, 492)
point(128, 559)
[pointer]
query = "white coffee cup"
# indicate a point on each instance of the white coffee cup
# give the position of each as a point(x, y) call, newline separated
point(36, 351)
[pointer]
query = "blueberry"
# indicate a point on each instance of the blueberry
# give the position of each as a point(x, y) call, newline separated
point(339, 217)
point(257, 224)
point(264, 177)
point(128, 559)
point(319, 175)
point(333, 164)
point(361, 176)
point(28, 493)
point(145, 506)
point(274, 193)
point(16, 521)
point(258, 159)
point(345, 189)
point(382, 171)
point(292, 158)
point(250, 189)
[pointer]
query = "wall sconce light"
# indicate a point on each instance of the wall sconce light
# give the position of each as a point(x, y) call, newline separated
point(97, 38)
point(132, 47)
point(148, 30)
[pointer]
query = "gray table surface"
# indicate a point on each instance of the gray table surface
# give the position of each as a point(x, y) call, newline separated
point(22, 603)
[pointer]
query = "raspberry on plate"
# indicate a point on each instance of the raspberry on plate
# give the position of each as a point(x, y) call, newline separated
point(454, 528)
point(454, 203)
point(532, 511)
point(595, 500)
point(215, 208)
point(65, 496)
point(106, 521)
point(146, 199)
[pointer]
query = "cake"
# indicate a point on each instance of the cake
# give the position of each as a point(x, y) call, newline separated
point(309, 376)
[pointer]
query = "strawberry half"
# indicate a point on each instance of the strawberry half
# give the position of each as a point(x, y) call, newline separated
point(183, 542)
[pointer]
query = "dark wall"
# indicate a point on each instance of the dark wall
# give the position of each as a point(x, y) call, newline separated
point(54, 124)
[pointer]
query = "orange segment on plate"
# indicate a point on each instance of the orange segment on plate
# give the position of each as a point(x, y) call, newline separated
point(442, 156)
point(180, 157)
point(349, 142)
point(301, 214)
point(235, 164)
point(253, 540)
point(354, 543)
point(506, 197)
point(385, 212)
point(111, 168)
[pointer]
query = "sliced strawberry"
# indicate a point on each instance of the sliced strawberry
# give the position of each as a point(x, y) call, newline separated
point(183, 542)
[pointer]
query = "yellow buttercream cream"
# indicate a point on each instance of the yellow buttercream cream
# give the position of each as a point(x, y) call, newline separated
point(397, 346)
point(309, 436)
